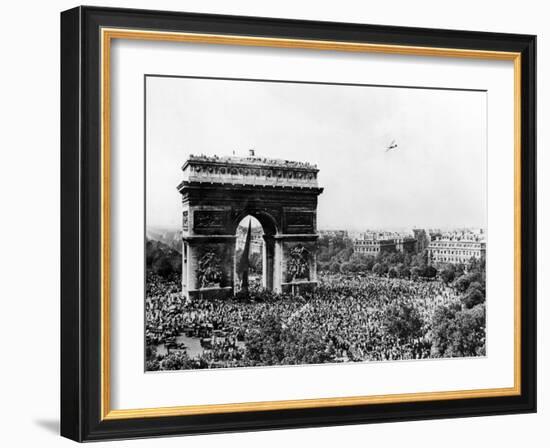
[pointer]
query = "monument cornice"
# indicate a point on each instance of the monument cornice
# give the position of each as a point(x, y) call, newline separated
point(197, 185)
point(207, 238)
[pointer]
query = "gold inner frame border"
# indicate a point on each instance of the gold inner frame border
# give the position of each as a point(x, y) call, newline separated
point(107, 35)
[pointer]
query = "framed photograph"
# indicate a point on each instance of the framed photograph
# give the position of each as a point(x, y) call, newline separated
point(272, 223)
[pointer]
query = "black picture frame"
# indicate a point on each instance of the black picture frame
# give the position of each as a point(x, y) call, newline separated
point(81, 224)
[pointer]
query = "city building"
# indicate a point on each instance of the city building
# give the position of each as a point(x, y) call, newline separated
point(406, 245)
point(373, 247)
point(372, 243)
point(457, 247)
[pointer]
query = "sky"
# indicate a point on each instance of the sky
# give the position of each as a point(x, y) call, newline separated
point(435, 178)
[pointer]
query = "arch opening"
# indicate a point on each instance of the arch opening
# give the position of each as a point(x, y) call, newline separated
point(260, 218)
point(249, 254)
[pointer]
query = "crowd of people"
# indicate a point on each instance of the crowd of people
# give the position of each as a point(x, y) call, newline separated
point(353, 317)
point(354, 314)
point(164, 307)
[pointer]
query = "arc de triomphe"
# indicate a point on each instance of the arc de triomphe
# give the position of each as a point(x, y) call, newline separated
point(218, 192)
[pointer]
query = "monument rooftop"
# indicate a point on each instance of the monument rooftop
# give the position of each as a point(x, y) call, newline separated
point(248, 160)
point(249, 170)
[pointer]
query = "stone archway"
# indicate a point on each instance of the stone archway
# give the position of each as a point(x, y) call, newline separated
point(218, 192)
point(269, 227)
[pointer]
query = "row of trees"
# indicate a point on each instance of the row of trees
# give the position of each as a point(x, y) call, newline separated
point(336, 256)
point(390, 264)
point(275, 344)
point(162, 259)
point(176, 360)
point(459, 329)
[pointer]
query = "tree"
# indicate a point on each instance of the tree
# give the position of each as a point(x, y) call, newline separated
point(361, 263)
point(404, 272)
point(380, 269)
point(304, 347)
point(415, 272)
point(176, 361)
point(347, 266)
point(263, 345)
point(323, 266)
point(161, 259)
point(151, 359)
point(462, 283)
point(334, 248)
point(345, 254)
point(369, 263)
point(448, 273)
point(458, 333)
point(420, 259)
point(358, 258)
point(273, 344)
point(472, 297)
point(392, 273)
point(476, 265)
point(403, 321)
point(152, 365)
point(477, 285)
point(429, 272)
point(163, 267)
point(459, 269)
point(334, 267)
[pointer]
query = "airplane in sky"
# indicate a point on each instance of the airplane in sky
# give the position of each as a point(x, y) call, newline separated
point(392, 146)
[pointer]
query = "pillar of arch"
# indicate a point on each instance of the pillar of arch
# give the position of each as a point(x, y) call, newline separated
point(218, 192)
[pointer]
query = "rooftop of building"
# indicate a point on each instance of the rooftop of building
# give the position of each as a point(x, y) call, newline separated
point(457, 240)
point(464, 236)
point(385, 235)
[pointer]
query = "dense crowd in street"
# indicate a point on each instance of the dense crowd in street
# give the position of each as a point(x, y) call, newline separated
point(349, 314)
point(163, 309)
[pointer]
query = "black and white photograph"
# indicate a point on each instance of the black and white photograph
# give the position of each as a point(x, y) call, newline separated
point(291, 223)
